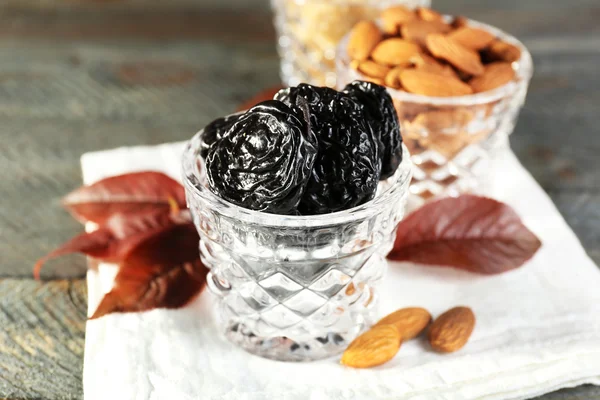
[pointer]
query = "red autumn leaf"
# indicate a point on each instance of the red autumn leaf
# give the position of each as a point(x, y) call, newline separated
point(172, 245)
point(474, 233)
point(128, 193)
point(145, 288)
point(163, 271)
point(266, 94)
point(113, 241)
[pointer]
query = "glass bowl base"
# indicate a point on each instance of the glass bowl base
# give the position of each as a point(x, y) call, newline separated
point(282, 348)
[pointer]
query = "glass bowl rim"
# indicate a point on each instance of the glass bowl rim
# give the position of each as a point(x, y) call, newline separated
point(524, 72)
point(397, 189)
point(380, 4)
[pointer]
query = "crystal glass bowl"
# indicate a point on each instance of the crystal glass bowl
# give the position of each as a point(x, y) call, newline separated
point(454, 140)
point(309, 30)
point(294, 288)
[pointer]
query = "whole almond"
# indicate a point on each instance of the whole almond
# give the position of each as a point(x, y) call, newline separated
point(503, 51)
point(378, 81)
point(451, 330)
point(372, 69)
point(495, 75)
point(364, 37)
point(427, 14)
point(447, 122)
point(456, 54)
point(423, 62)
point(417, 30)
point(472, 38)
point(460, 22)
point(392, 79)
point(394, 52)
point(392, 18)
point(374, 347)
point(432, 84)
point(410, 322)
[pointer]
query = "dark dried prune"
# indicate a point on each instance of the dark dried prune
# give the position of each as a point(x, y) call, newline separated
point(263, 161)
point(347, 168)
point(383, 119)
point(214, 131)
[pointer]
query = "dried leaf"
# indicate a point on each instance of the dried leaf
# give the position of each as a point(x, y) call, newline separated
point(162, 271)
point(143, 288)
point(172, 245)
point(266, 94)
point(113, 241)
point(128, 193)
point(468, 232)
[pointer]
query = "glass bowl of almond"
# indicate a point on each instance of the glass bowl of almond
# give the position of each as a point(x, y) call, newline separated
point(309, 30)
point(458, 86)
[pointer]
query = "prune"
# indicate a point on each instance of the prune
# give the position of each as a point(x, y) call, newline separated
point(347, 167)
point(263, 161)
point(214, 132)
point(383, 119)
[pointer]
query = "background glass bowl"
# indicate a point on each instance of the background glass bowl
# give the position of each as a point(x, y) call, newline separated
point(294, 288)
point(308, 32)
point(453, 140)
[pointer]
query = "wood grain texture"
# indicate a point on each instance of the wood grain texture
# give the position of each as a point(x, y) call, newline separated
point(42, 339)
point(84, 75)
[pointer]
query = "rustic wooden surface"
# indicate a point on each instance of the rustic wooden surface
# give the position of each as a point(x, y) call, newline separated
point(78, 75)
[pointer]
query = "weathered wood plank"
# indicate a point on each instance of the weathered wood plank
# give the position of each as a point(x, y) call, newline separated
point(42, 338)
point(85, 75)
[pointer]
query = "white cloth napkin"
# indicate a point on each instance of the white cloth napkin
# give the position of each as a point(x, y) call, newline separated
point(538, 327)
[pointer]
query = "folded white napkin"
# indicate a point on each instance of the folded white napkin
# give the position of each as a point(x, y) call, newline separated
point(538, 327)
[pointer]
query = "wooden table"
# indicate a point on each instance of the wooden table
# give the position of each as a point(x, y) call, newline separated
point(77, 76)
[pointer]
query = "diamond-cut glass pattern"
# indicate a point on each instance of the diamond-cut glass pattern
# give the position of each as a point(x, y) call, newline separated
point(305, 302)
point(279, 286)
point(298, 291)
point(331, 283)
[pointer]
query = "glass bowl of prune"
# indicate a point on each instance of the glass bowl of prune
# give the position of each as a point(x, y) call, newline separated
point(458, 86)
point(296, 201)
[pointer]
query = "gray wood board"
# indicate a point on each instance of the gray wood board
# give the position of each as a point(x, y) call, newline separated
point(85, 75)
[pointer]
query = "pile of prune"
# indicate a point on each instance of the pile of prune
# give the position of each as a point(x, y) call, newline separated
point(311, 150)
point(383, 119)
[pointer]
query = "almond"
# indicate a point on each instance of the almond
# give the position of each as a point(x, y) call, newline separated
point(427, 14)
point(423, 62)
point(472, 38)
point(417, 30)
point(460, 22)
point(364, 37)
point(393, 17)
point(350, 289)
point(451, 330)
point(392, 79)
point(410, 322)
point(495, 75)
point(374, 347)
point(450, 50)
point(447, 122)
point(378, 81)
point(394, 52)
point(431, 84)
point(372, 69)
point(503, 51)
